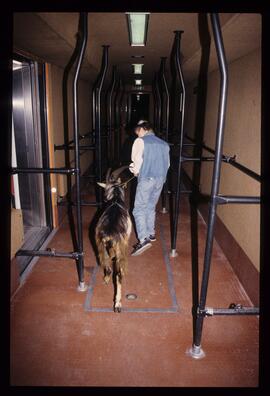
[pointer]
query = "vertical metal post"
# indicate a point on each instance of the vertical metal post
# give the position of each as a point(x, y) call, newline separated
point(110, 114)
point(128, 109)
point(118, 113)
point(80, 263)
point(98, 152)
point(172, 89)
point(167, 96)
point(118, 99)
point(165, 121)
point(179, 74)
point(155, 104)
point(116, 129)
point(196, 351)
point(158, 105)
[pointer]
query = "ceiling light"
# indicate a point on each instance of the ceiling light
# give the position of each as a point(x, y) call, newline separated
point(16, 65)
point(138, 82)
point(137, 28)
point(137, 56)
point(137, 68)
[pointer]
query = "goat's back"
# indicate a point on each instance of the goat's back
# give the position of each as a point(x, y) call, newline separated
point(114, 223)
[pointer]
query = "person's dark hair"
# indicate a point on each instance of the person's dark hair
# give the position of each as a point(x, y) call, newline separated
point(146, 125)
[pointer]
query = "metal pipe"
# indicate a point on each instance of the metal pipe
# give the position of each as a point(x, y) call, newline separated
point(216, 175)
point(83, 203)
point(117, 130)
point(84, 33)
point(230, 311)
point(71, 171)
point(165, 117)
point(110, 113)
point(231, 161)
point(179, 74)
point(223, 199)
point(49, 253)
point(117, 119)
point(84, 147)
point(246, 170)
point(198, 159)
point(98, 151)
point(158, 104)
point(120, 107)
point(155, 104)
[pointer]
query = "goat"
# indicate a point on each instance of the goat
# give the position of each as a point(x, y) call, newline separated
point(112, 233)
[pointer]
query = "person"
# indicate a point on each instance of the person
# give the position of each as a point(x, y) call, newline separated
point(150, 163)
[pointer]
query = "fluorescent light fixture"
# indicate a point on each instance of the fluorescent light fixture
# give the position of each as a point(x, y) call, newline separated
point(138, 82)
point(137, 68)
point(16, 65)
point(137, 28)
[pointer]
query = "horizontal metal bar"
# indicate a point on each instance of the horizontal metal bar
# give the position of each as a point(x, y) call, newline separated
point(83, 203)
point(222, 199)
point(230, 311)
point(181, 191)
point(65, 147)
point(45, 170)
point(184, 159)
point(212, 159)
point(49, 253)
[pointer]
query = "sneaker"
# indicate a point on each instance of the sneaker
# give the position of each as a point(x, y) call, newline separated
point(141, 247)
point(152, 238)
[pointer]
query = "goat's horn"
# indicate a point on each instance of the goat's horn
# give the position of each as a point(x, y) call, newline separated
point(108, 175)
point(117, 172)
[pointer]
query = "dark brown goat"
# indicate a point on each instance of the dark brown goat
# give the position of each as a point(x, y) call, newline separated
point(112, 233)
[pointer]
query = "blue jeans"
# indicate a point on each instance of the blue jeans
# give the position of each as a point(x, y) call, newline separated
point(146, 198)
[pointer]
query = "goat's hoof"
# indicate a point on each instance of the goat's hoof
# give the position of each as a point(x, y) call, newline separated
point(106, 279)
point(117, 309)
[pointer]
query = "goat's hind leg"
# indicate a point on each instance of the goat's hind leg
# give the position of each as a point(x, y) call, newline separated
point(105, 262)
point(118, 294)
point(107, 274)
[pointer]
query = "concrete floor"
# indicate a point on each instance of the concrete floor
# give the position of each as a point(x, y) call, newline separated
point(62, 337)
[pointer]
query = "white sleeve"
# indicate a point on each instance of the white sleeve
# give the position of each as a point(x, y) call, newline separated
point(137, 156)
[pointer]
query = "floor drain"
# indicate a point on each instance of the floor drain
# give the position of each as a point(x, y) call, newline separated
point(131, 296)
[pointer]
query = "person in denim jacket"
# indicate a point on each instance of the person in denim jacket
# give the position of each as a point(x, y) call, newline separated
point(150, 163)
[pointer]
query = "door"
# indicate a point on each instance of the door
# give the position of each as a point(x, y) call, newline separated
point(31, 191)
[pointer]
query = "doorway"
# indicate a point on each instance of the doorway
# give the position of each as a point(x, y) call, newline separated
point(139, 107)
point(31, 192)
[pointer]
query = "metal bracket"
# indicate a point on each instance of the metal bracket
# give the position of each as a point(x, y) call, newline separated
point(205, 312)
point(228, 158)
point(77, 255)
point(235, 306)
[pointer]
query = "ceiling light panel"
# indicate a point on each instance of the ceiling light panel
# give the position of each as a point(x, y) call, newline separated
point(137, 28)
point(137, 68)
